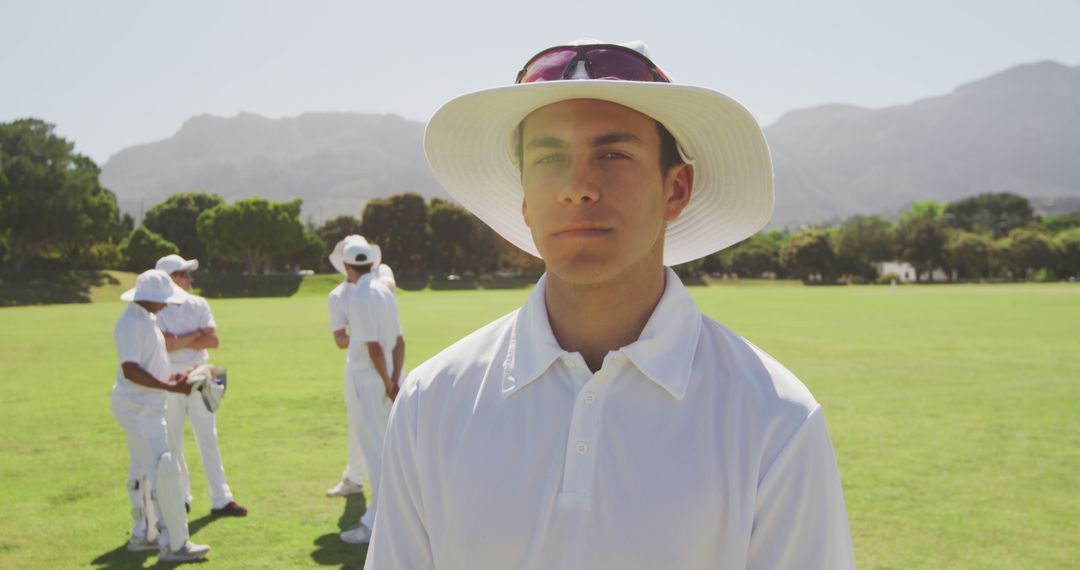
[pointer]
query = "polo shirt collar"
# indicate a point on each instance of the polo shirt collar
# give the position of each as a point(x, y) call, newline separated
point(664, 352)
point(532, 346)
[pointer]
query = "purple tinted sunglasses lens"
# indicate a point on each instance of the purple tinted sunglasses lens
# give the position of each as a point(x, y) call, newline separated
point(549, 67)
point(613, 64)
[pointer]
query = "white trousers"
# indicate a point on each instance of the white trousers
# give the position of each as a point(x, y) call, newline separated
point(147, 442)
point(355, 468)
point(373, 412)
point(204, 426)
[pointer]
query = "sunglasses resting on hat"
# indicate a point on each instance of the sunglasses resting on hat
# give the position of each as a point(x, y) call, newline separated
point(601, 61)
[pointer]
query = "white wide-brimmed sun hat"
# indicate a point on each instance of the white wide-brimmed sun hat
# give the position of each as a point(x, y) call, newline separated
point(155, 285)
point(335, 256)
point(471, 147)
point(172, 263)
point(358, 252)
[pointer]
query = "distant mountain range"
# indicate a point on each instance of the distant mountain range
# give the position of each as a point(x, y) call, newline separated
point(1015, 131)
point(336, 162)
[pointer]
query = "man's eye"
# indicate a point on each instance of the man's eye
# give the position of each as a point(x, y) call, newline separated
point(550, 159)
point(614, 155)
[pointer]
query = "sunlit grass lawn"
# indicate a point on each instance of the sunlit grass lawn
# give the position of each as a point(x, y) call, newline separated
point(955, 412)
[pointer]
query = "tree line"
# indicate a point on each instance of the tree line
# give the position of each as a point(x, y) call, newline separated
point(55, 213)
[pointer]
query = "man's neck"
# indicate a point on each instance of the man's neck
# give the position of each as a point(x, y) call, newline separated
point(595, 320)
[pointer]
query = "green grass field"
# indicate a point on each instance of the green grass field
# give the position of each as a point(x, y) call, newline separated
point(954, 409)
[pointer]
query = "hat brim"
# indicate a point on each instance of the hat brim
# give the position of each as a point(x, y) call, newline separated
point(174, 297)
point(469, 146)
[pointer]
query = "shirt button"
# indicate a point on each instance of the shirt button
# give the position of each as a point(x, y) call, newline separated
point(590, 398)
point(582, 447)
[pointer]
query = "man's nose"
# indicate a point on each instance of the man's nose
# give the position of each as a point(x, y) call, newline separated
point(580, 186)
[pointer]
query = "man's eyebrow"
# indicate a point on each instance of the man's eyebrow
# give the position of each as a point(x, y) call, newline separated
point(546, 142)
point(618, 137)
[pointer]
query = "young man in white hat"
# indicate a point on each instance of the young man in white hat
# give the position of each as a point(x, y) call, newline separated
point(190, 330)
point(373, 368)
point(138, 403)
point(352, 480)
point(607, 423)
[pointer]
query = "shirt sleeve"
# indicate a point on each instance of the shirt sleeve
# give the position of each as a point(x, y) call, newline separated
point(206, 317)
point(400, 538)
point(339, 314)
point(128, 346)
point(800, 520)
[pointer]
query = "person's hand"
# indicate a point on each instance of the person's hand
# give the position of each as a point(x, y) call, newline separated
point(392, 390)
point(179, 383)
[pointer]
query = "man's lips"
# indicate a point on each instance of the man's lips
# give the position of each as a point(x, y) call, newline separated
point(584, 231)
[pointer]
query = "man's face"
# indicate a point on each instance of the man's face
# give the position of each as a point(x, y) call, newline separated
point(152, 306)
point(183, 279)
point(594, 196)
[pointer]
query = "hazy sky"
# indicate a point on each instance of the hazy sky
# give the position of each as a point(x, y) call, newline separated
point(114, 73)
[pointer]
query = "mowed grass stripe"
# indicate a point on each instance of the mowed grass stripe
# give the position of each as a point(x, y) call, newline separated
point(954, 412)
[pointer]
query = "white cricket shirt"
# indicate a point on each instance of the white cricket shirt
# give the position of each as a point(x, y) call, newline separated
point(139, 340)
point(373, 317)
point(194, 313)
point(689, 448)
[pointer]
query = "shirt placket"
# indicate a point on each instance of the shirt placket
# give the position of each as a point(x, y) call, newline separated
point(585, 423)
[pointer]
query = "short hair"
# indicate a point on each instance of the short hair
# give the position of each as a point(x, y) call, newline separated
point(362, 268)
point(669, 149)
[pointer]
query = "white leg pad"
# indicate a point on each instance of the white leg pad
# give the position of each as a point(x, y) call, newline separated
point(171, 501)
point(143, 515)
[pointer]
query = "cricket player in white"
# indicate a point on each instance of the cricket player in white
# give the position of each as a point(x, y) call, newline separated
point(338, 303)
point(190, 330)
point(138, 403)
point(375, 357)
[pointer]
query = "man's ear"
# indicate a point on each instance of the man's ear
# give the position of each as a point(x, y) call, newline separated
point(678, 186)
point(525, 211)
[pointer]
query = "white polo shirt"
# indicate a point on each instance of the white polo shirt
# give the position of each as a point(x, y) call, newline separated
point(194, 313)
point(338, 300)
point(373, 317)
point(139, 340)
point(689, 448)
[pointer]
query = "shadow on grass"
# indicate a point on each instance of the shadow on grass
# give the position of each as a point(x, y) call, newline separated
point(329, 548)
point(50, 287)
point(120, 558)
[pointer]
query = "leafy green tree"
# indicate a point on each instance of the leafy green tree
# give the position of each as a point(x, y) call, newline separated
point(458, 241)
point(142, 248)
point(84, 214)
point(310, 253)
point(1059, 223)
point(862, 241)
point(1067, 244)
point(923, 209)
point(752, 258)
point(921, 242)
point(175, 220)
point(969, 254)
point(335, 230)
point(253, 232)
point(808, 254)
point(1027, 250)
point(50, 197)
point(398, 225)
point(993, 214)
